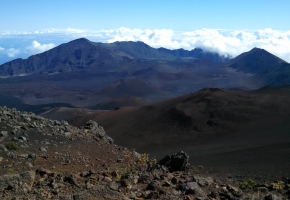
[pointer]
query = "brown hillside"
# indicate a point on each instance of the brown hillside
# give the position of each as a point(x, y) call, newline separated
point(226, 130)
point(131, 87)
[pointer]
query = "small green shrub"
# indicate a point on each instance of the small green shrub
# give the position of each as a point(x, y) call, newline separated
point(279, 185)
point(11, 146)
point(10, 171)
point(248, 184)
point(144, 163)
point(123, 172)
point(138, 167)
point(194, 170)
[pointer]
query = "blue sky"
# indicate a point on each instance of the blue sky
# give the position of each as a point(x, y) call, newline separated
point(226, 26)
point(183, 15)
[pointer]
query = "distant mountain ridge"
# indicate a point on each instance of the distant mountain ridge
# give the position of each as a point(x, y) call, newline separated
point(138, 60)
point(84, 73)
point(82, 54)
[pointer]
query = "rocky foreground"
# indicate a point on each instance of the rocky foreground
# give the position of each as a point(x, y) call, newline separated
point(50, 159)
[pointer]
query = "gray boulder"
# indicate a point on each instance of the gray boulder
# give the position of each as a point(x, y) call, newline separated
point(272, 197)
point(193, 188)
point(203, 181)
point(2, 147)
point(3, 133)
point(95, 128)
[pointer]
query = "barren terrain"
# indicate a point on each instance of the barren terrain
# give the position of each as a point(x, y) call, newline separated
point(50, 159)
point(229, 116)
point(236, 132)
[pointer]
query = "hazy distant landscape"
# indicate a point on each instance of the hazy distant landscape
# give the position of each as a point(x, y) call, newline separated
point(84, 73)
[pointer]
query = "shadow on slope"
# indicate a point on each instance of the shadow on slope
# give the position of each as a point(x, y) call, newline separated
point(133, 87)
point(243, 132)
point(14, 102)
point(120, 102)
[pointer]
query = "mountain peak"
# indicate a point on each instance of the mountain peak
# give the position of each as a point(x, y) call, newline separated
point(132, 43)
point(256, 61)
point(80, 41)
point(256, 49)
point(129, 42)
point(262, 54)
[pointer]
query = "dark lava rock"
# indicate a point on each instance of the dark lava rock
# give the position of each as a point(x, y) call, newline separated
point(175, 162)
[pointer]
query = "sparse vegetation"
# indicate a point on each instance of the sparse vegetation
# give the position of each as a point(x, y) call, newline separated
point(89, 131)
point(197, 170)
point(140, 165)
point(10, 171)
point(200, 167)
point(11, 146)
point(249, 184)
point(123, 172)
point(54, 169)
point(128, 155)
point(279, 185)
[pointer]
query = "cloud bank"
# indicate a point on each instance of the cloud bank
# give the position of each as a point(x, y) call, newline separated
point(224, 42)
point(36, 47)
point(7, 54)
point(12, 52)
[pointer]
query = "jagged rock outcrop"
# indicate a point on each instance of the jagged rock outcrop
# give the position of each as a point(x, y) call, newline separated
point(175, 162)
point(95, 129)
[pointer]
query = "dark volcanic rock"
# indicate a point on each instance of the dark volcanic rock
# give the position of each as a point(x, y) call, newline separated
point(175, 162)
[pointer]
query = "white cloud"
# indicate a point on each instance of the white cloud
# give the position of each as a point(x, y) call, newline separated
point(155, 38)
point(12, 52)
point(36, 47)
point(225, 42)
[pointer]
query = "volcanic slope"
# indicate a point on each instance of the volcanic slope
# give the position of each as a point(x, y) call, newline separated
point(50, 159)
point(131, 87)
point(243, 132)
point(116, 103)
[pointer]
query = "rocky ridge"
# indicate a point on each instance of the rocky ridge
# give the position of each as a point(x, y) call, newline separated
point(82, 54)
point(50, 159)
